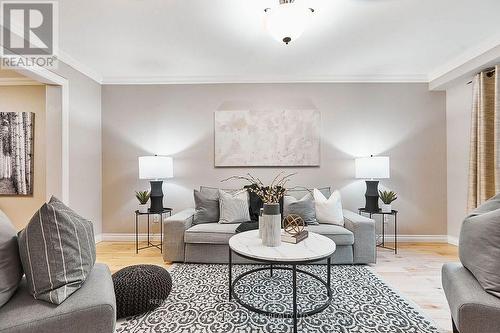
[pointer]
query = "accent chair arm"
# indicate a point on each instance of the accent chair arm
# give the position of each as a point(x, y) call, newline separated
point(363, 228)
point(173, 235)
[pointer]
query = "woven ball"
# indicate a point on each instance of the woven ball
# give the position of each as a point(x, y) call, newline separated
point(140, 288)
point(293, 224)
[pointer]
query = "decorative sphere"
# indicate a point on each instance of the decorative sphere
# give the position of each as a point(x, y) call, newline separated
point(293, 224)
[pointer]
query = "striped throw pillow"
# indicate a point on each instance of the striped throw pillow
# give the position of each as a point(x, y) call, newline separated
point(57, 250)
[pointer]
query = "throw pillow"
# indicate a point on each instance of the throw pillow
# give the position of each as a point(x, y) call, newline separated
point(300, 192)
point(213, 192)
point(57, 250)
point(11, 270)
point(206, 208)
point(479, 245)
point(247, 226)
point(328, 211)
point(233, 207)
point(303, 207)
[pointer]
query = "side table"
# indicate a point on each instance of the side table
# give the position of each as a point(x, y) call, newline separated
point(393, 213)
point(150, 244)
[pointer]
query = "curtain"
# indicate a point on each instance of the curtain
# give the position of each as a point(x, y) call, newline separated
point(484, 172)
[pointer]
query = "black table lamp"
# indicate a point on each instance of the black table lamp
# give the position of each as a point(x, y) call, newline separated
point(156, 168)
point(373, 167)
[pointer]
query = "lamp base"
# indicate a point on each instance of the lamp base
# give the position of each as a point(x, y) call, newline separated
point(371, 196)
point(156, 196)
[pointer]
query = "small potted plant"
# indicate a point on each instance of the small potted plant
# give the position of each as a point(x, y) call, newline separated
point(387, 198)
point(143, 197)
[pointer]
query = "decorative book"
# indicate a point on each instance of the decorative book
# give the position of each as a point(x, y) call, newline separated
point(294, 239)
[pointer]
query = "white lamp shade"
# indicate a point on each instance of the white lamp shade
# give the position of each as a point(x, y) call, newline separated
point(156, 167)
point(287, 20)
point(374, 167)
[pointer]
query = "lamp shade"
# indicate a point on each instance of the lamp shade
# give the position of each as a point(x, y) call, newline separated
point(156, 167)
point(373, 167)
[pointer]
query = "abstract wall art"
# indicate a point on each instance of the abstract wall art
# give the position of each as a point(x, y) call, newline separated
point(267, 138)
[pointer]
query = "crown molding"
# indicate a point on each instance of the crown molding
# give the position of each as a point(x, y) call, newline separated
point(18, 81)
point(466, 64)
point(79, 66)
point(379, 78)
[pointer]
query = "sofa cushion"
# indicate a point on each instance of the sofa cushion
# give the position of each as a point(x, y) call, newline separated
point(479, 245)
point(90, 309)
point(11, 270)
point(340, 235)
point(57, 249)
point(210, 233)
point(206, 208)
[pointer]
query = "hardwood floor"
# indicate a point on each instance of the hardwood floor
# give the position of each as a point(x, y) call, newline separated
point(415, 271)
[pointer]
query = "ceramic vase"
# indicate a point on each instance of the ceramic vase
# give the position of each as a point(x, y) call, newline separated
point(271, 225)
point(143, 209)
point(260, 223)
point(386, 208)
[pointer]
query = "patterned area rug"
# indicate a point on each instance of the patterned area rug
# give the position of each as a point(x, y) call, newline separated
point(199, 303)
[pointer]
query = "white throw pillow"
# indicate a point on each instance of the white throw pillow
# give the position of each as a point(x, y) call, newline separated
point(328, 211)
point(233, 207)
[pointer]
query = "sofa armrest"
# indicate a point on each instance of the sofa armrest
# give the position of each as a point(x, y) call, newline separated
point(90, 309)
point(472, 308)
point(173, 235)
point(363, 228)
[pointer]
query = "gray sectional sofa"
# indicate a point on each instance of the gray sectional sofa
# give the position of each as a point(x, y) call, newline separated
point(92, 308)
point(473, 310)
point(208, 243)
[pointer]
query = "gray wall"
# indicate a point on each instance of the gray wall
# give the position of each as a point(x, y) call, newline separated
point(404, 121)
point(458, 118)
point(85, 167)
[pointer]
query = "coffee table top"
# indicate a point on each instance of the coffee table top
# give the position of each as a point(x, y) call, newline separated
point(314, 247)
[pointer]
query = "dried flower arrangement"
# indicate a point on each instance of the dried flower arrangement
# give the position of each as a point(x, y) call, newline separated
point(270, 194)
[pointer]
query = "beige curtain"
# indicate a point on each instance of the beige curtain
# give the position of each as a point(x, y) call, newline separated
point(484, 164)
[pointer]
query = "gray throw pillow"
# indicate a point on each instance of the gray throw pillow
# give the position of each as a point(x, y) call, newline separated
point(300, 192)
point(57, 249)
point(11, 270)
point(303, 207)
point(479, 245)
point(213, 192)
point(234, 207)
point(206, 208)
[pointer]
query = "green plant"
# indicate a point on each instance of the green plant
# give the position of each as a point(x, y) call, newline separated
point(271, 193)
point(387, 196)
point(142, 196)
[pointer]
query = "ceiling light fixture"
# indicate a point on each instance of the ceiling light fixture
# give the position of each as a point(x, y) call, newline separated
point(287, 20)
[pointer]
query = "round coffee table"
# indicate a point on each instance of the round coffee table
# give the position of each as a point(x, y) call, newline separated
point(314, 248)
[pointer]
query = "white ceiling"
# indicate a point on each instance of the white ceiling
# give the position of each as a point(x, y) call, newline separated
point(225, 41)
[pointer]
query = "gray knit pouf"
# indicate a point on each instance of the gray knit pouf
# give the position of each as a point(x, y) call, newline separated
point(140, 288)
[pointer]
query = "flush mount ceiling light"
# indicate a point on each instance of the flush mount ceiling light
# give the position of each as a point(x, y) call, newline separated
point(287, 20)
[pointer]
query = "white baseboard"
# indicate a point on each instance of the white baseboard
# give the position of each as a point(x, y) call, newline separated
point(417, 238)
point(119, 237)
point(98, 238)
point(452, 240)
